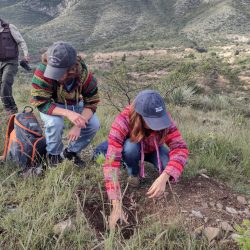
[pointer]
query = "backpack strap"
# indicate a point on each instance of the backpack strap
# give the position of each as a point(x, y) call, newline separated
point(40, 142)
point(10, 128)
point(25, 109)
point(23, 127)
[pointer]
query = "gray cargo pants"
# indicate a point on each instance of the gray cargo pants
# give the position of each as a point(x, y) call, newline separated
point(8, 70)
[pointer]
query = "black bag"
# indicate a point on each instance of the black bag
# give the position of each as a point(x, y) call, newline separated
point(24, 143)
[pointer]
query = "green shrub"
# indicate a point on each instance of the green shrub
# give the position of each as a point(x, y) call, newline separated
point(190, 55)
point(123, 58)
point(244, 232)
point(212, 102)
point(184, 95)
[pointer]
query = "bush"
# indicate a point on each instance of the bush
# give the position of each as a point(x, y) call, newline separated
point(124, 58)
point(213, 102)
point(237, 52)
point(244, 231)
point(200, 49)
point(184, 95)
point(190, 55)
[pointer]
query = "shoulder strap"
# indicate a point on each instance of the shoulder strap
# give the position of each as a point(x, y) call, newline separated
point(10, 128)
point(54, 91)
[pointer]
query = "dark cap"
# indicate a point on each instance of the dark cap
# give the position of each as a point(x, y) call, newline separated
point(151, 106)
point(61, 57)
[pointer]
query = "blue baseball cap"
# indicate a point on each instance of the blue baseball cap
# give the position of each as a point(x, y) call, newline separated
point(61, 57)
point(151, 106)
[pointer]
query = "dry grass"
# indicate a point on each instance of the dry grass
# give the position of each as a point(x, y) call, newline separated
point(216, 130)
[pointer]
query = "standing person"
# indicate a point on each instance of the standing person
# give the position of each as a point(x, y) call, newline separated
point(141, 132)
point(10, 40)
point(63, 87)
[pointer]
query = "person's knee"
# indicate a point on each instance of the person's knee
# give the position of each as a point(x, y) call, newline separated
point(131, 150)
point(8, 78)
point(6, 85)
point(102, 148)
point(55, 122)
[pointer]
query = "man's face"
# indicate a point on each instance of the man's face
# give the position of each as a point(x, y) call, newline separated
point(68, 76)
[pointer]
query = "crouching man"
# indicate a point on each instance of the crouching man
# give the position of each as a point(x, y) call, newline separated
point(63, 87)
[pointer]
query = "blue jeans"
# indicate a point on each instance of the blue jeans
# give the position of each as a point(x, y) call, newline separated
point(131, 155)
point(54, 126)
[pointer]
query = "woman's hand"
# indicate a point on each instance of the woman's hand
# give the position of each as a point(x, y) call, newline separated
point(159, 186)
point(74, 133)
point(116, 214)
point(77, 119)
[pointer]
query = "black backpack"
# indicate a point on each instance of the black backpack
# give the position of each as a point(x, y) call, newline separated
point(24, 142)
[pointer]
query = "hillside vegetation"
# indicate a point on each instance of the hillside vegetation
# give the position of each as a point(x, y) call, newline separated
point(95, 25)
point(132, 45)
point(208, 97)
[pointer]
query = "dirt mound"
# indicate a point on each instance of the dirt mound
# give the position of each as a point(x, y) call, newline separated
point(199, 201)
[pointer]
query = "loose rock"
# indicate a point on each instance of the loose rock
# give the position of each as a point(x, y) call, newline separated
point(63, 225)
point(204, 205)
point(197, 214)
point(246, 211)
point(212, 204)
point(212, 233)
point(184, 211)
point(219, 206)
point(242, 200)
point(198, 230)
point(231, 210)
point(226, 226)
point(202, 171)
point(235, 236)
point(12, 207)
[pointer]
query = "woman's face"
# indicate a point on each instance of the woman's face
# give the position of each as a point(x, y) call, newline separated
point(145, 125)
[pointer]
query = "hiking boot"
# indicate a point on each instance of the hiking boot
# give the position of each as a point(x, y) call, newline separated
point(73, 156)
point(54, 160)
point(133, 181)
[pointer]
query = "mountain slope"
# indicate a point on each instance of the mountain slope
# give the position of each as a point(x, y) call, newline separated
point(93, 24)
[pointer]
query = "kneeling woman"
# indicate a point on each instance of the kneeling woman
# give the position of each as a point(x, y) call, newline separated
point(138, 134)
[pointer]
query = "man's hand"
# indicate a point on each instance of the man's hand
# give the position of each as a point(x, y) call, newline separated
point(159, 185)
point(27, 58)
point(77, 119)
point(116, 214)
point(74, 133)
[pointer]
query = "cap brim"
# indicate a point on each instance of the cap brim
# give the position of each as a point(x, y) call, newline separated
point(54, 73)
point(158, 123)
